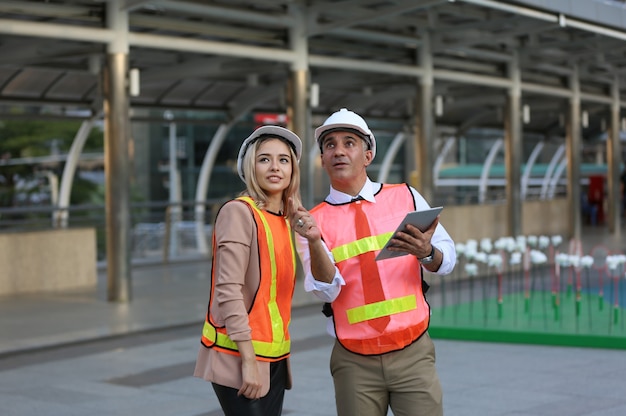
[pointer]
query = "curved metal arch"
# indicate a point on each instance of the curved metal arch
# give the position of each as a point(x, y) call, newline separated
point(484, 176)
point(558, 172)
point(529, 167)
point(440, 158)
point(61, 215)
point(203, 183)
point(558, 155)
point(390, 155)
point(208, 162)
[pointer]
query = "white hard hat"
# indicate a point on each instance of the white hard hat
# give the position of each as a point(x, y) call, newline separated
point(278, 131)
point(346, 119)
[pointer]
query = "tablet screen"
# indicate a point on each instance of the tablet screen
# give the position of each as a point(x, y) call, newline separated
point(420, 219)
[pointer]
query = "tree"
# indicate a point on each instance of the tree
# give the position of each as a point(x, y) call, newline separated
point(21, 139)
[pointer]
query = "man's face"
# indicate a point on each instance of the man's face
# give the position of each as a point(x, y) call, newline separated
point(345, 156)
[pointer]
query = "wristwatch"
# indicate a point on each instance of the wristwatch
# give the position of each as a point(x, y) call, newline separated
point(430, 258)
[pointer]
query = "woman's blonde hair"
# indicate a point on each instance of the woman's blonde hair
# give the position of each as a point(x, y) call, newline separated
point(254, 190)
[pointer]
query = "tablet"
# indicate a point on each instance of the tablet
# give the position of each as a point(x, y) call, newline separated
point(420, 219)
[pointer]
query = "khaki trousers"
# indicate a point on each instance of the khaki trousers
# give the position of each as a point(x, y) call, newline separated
point(404, 380)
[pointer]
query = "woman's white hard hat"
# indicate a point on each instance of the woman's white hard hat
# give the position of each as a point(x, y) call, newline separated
point(346, 119)
point(276, 131)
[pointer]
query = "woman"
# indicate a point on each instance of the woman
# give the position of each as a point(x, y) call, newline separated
point(245, 339)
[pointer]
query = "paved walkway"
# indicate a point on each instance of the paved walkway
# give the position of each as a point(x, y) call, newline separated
point(153, 377)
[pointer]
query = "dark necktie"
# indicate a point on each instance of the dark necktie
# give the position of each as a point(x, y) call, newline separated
point(372, 287)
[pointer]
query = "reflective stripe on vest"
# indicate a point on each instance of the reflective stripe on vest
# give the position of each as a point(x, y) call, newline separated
point(280, 345)
point(383, 308)
point(361, 246)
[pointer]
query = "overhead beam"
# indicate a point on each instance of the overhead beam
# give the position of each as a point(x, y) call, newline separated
point(558, 18)
point(45, 9)
point(210, 47)
point(367, 16)
point(56, 31)
point(226, 13)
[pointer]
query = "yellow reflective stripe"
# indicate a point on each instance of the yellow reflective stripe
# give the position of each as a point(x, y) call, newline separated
point(265, 349)
point(383, 308)
point(363, 245)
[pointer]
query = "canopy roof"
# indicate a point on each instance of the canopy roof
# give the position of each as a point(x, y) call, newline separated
point(367, 55)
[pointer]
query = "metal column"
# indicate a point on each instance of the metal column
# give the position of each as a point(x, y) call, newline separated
point(614, 159)
point(513, 151)
point(424, 131)
point(174, 212)
point(573, 150)
point(116, 136)
point(299, 109)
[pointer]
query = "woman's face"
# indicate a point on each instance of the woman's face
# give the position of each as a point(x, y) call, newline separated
point(273, 166)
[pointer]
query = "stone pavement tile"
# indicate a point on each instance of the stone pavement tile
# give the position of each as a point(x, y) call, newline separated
point(477, 378)
point(500, 379)
point(313, 393)
point(615, 411)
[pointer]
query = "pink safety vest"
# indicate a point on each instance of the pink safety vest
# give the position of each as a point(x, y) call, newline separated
point(401, 280)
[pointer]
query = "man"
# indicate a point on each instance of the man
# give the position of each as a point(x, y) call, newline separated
point(383, 356)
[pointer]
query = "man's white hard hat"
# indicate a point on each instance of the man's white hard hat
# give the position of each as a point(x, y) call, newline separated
point(275, 131)
point(346, 119)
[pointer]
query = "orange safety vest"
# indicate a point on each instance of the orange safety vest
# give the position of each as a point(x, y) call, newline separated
point(401, 280)
point(270, 313)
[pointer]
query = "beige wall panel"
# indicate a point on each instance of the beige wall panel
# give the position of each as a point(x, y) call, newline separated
point(489, 221)
point(47, 261)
